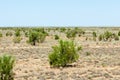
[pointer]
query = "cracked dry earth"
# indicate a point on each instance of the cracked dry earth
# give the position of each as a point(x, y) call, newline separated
point(32, 64)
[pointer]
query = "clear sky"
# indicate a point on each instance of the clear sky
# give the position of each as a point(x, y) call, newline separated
point(59, 12)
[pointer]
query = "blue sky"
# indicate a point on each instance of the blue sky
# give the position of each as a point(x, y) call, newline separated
point(59, 12)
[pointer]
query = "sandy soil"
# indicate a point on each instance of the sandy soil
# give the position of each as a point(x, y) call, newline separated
point(102, 62)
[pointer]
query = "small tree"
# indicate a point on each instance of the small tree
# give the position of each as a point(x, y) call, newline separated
point(63, 54)
point(6, 66)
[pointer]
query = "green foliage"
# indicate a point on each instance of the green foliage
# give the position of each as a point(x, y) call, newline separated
point(17, 33)
point(62, 29)
point(116, 37)
point(26, 34)
point(79, 48)
point(6, 66)
point(88, 53)
point(119, 33)
point(40, 30)
point(56, 37)
point(41, 37)
point(94, 34)
point(71, 34)
point(1, 34)
point(17, 39)
point(100, 38)
point(107, 35)
point(35, 36)
point(9, 33)
point(63, 54)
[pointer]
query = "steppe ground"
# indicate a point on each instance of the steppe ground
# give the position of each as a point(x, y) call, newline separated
point(98, 60)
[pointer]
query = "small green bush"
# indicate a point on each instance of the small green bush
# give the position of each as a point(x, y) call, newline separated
point(9, 33)
point(6, 67)
point(17, 39)
point(94, 34)
point(79, 48)
point(100, 38)
point(35, 36)
point(1, 34)
point(116, 37)
point(63, 54)
point(71, 34)
point(62, 29)
point(42, 37)
point(17, 33)
point(119, 33)
point(26, 34)
point(56, 37)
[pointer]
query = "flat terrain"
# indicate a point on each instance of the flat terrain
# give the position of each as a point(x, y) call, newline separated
point(98, 60)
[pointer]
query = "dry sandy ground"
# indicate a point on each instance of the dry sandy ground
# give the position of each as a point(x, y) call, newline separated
point(98, 61)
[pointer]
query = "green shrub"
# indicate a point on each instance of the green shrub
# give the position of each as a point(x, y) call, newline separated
point(17, 39)
point(94, 34)
point(79, 48)
point(107, 35)
point(35, 36)
point(62, 29)
point(26, 34)
point(1, 34)
point(71, 34)
point(6, 67)
point(17, 33)
point(56, 37)
point(88, 53)
point(63, 54)
point(119, 33)
point(116, 37)
point(42, 37)
point(9, 33)
point(100, 38)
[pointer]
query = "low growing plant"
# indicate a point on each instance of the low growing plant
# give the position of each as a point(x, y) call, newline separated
point(17, 39)
point(6, 67)
point(9, 33)
point(35, 36)
point(1, 34)
point(17, 33)
point(63, 54)
point(56, 37)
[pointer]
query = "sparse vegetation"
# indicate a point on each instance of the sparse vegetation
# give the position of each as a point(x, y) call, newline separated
point(17, 39)
point(9, 33)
